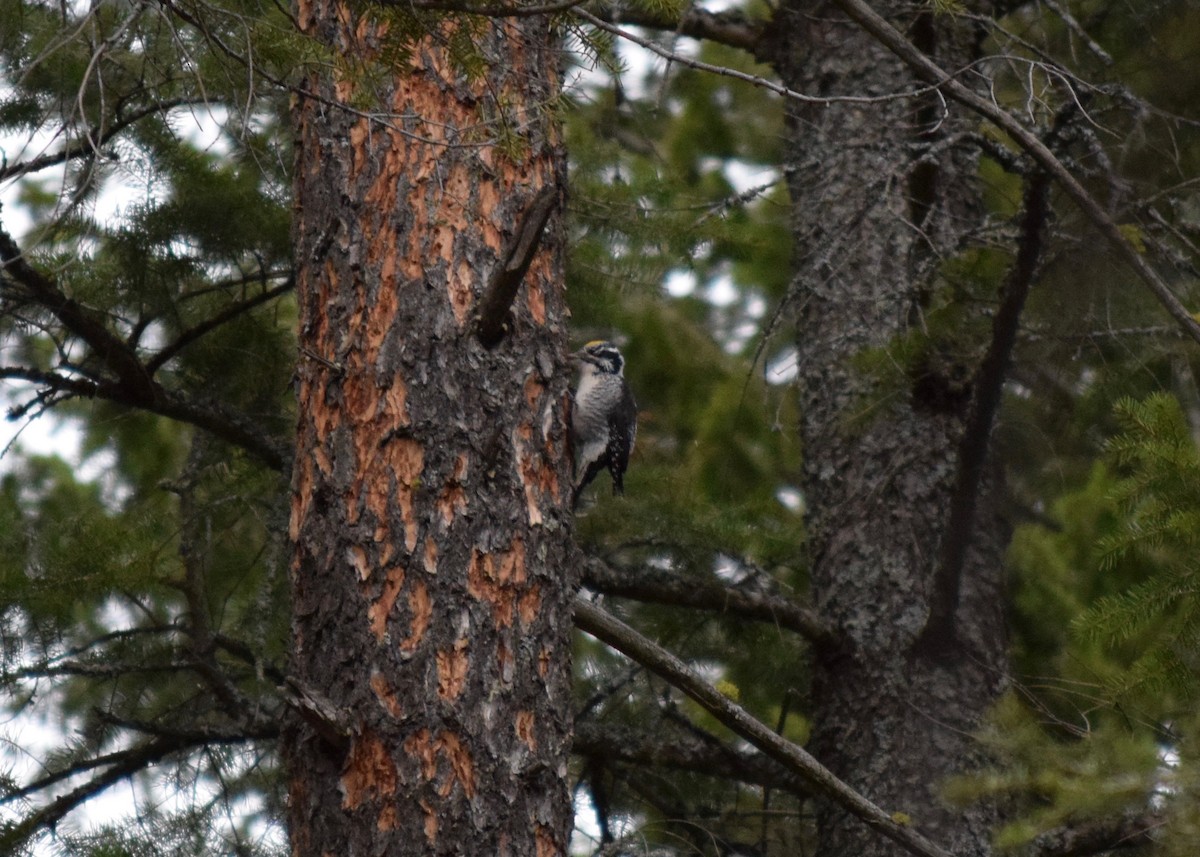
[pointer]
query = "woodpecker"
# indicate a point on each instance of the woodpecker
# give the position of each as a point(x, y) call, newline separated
point(604, 417)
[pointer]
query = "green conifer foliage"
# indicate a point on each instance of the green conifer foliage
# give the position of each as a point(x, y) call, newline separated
point(1159, 494)
point(142, 595)
point(143, 610)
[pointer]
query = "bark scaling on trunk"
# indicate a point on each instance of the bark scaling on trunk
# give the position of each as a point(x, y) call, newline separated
point(882, 196)
point(431, 595)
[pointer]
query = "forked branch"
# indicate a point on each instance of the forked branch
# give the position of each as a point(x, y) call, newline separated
point(928, 70)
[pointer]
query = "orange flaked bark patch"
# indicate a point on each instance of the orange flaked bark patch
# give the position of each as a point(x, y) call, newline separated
point(453, 498)
point(381, 608)
point(387, 818)
point(427, 750)
point(321, 457)
point(387, 272)
point(419, 745)
point(431, 822)
point(386, 695)
point(533, 391)
point(325, 287)
point(452, 667)
point(529, 472)
point(382, 317)
point(457, 187)
point(487, 198)
point(421, 606)
point(324, 418)
point(481, 575)
point(395, 404)
point(460, 279)
point(505, 662)
point(468, 193)
point(460, 763)
point(381, 195)
point(544, 842)
point(525, 729)
point(360, 395)
point(535, 299)
point(358, 559)
point(301, 496)
point(376, 501)
point(537, 476)
point(367, 26)
point(359, 134)
point(530, 604)
point(468, 207)
point(369, 773)
point(408, 460)
point(304, 11)
point(431, 555)
point(543, 662)
point(498, 578)
point(441, 241)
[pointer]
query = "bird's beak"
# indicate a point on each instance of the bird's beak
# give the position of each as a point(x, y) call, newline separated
point(582, 356)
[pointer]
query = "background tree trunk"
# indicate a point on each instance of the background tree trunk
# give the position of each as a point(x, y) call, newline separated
point(431, 597)
point(880, 201)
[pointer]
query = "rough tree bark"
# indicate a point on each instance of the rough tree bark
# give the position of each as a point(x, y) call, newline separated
point(882, 195)
point(432, 615)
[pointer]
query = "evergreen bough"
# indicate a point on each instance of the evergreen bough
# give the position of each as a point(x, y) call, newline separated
point(1158, 459)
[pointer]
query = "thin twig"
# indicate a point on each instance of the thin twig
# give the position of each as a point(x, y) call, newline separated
point(752, 79)
point(208, 325)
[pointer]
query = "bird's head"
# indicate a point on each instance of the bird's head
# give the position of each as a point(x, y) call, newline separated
point(603, 355)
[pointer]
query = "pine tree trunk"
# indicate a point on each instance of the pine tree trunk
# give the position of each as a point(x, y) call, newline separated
point(431, 592)
point(872, 223)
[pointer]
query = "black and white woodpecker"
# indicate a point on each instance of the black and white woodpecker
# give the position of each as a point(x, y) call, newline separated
point(604, 416)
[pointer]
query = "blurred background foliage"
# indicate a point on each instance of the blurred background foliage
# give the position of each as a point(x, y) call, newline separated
point(680, 247)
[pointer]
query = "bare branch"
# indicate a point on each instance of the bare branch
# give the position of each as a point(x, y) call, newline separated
point(93, 139)
point(613, 632)
point(1074, 26)
point(653, 749)
point(232, 428)
point(1081, 840)
point(99, 669)
point(656, 586)
point(208, 325)
point(987, 390)
point(124, 765)
point(729, 27)
point(137, 756)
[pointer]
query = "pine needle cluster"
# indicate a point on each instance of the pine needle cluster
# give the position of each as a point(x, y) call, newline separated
point(1159, 493)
